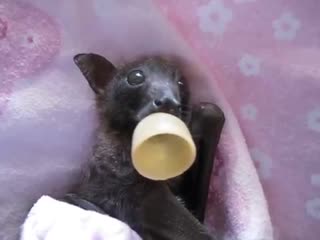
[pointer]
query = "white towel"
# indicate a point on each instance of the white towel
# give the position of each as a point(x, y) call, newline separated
point(50, 219)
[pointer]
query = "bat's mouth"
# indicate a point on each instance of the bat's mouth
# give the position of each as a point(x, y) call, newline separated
point(151, 108)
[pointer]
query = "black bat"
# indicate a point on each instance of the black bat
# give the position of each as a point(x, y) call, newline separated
point(171, 209)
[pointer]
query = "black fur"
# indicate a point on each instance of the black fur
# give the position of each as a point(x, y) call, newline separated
point(111, 183)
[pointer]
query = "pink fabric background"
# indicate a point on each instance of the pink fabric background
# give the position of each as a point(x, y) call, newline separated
point(270, 74)
point(260, 60)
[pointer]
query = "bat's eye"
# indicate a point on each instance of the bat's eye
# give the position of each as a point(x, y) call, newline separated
point(135, 77)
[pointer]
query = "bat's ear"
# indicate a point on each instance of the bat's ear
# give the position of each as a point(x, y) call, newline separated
point(96, 69)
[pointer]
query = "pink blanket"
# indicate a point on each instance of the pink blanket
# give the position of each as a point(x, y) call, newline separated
point(260, 60)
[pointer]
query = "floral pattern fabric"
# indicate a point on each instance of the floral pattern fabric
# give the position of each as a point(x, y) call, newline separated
point(260, 60)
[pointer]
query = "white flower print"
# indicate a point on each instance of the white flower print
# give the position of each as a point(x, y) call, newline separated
point(249, 65)
point(249, 112)
point(286, 27)
point(264, 162)
point(315, 180)
point(313, 120)
point(214, 17)
point(313, 208)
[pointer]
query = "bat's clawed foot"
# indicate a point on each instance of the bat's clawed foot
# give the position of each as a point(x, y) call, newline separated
point(206, 118)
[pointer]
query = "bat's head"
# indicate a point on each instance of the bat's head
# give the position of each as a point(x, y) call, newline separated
point(127, 94)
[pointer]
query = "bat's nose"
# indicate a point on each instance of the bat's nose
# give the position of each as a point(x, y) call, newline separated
point(166, 104)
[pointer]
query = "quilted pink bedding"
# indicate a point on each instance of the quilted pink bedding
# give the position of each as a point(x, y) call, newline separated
point(260, 60)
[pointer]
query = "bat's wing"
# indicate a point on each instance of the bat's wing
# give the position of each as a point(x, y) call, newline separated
point(206, 124)
point(74, 199)
point(166, 218)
